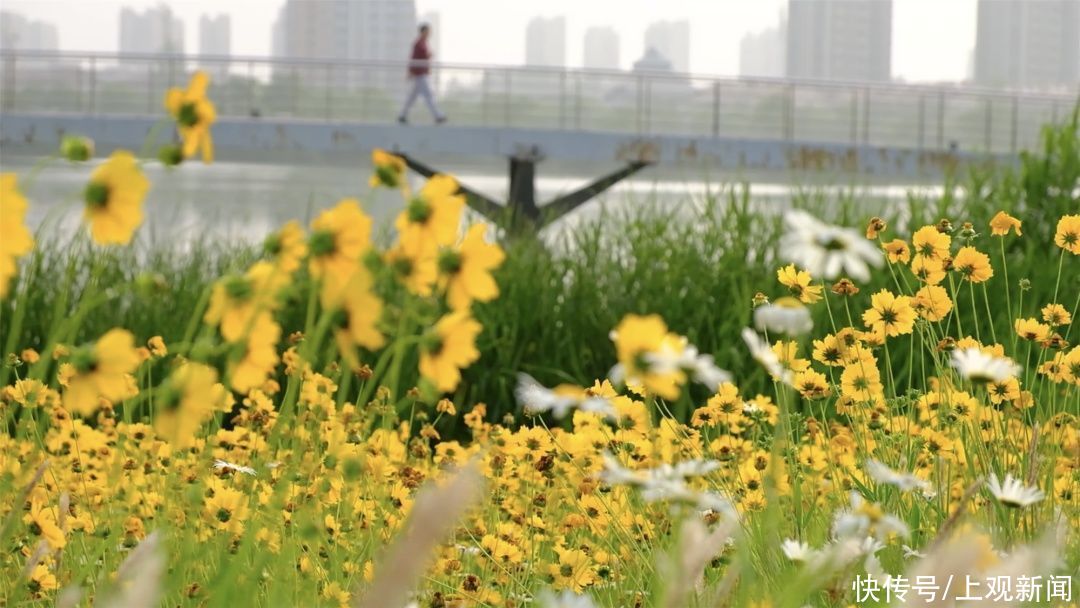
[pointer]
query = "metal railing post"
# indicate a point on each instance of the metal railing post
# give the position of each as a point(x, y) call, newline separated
point(329, 91)
point(150, 87)
point(9, 82)
point(638, 103)
point(922, 122)
point(866, 117)
point(484, 96)
point(789, 112)
point(562, 99)
point(251, 87)
point(1015, 123)
point(716, 108)
point(577, 103)
point(854, 116)
point(506, 98)
point(93, 86)
point(941, 120)
point(295, 92)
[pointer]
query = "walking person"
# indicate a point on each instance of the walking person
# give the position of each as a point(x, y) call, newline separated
point(419, 69)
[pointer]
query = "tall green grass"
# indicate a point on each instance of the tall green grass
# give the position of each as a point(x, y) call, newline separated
point(697, 263)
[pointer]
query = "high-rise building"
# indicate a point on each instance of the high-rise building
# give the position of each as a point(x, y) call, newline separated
point(155, 30)
point(672, 40)
point(601, 48)
point(19, 33)
point(360, 30)
point(764, 54)
point(215, 35)
point(545, 42)
point(840, 40)
point(1023, 43)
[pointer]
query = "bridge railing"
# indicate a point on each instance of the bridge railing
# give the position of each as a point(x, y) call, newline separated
point(911, 116)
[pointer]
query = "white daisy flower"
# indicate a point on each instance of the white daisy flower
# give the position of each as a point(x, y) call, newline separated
point(763, 353)
point(702, 368)
point(1013, 493)
point(912, 553)
point(786, 316)
point(667, 482)
point(978, 366)
point(535, 399)
point(827, 251)
point(866, 520)
point(221, 464)
point(905, 481)
point(565, 599)
point(798, 551)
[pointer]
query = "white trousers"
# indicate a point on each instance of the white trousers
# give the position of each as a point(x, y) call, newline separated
point(420, 88)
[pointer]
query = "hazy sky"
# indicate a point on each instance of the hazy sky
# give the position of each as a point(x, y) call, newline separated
point(932, 39)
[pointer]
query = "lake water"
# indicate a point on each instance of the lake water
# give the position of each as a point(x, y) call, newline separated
point(244, 201)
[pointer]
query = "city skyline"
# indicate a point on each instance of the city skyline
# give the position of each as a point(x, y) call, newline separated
point(922, 49)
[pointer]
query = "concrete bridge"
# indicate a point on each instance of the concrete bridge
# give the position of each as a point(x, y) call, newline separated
point(281, 110)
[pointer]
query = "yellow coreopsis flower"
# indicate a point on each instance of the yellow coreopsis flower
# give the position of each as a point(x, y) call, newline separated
point(157, 347)
point(1056, 315)
point(448, 348)
point(466, 271)
point(889, 314)
point(574, 570)
point(638, 341)
point(1031, 329)
point(339, 237)
point(432, 217)
point(929, 242)
point(286, 247)
point(973, 264)
point(260, 355)
point(811, 384)
point(798, 282)
point(15, 238)
point(227, 509)
point(236, 300)
point(897, 251)
point(357, 310)
point(194, 114)
point(1067, 235)
point(932, 303)
point(41, 580)
point(1002, 223)
point(928, 270)
point(100, 371)
point(861, 380)
point(389, 169)
point(414, 266)
point(114, 199)
point(185, 401)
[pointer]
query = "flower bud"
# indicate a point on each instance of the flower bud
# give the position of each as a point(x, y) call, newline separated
point(170, 155)
point(77, 148)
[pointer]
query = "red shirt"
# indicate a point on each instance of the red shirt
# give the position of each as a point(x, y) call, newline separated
point(420, 58)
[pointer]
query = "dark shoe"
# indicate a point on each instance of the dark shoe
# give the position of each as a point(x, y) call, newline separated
point(402, 121)
point(440, 120)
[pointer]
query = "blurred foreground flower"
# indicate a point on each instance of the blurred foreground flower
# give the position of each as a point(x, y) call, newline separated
point(784, 316)
point(560, 401)
point(827, 251)
point(1013, 493)
point(193, 113)
point(978, 366)
point(114, 199)
point(15, 238)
